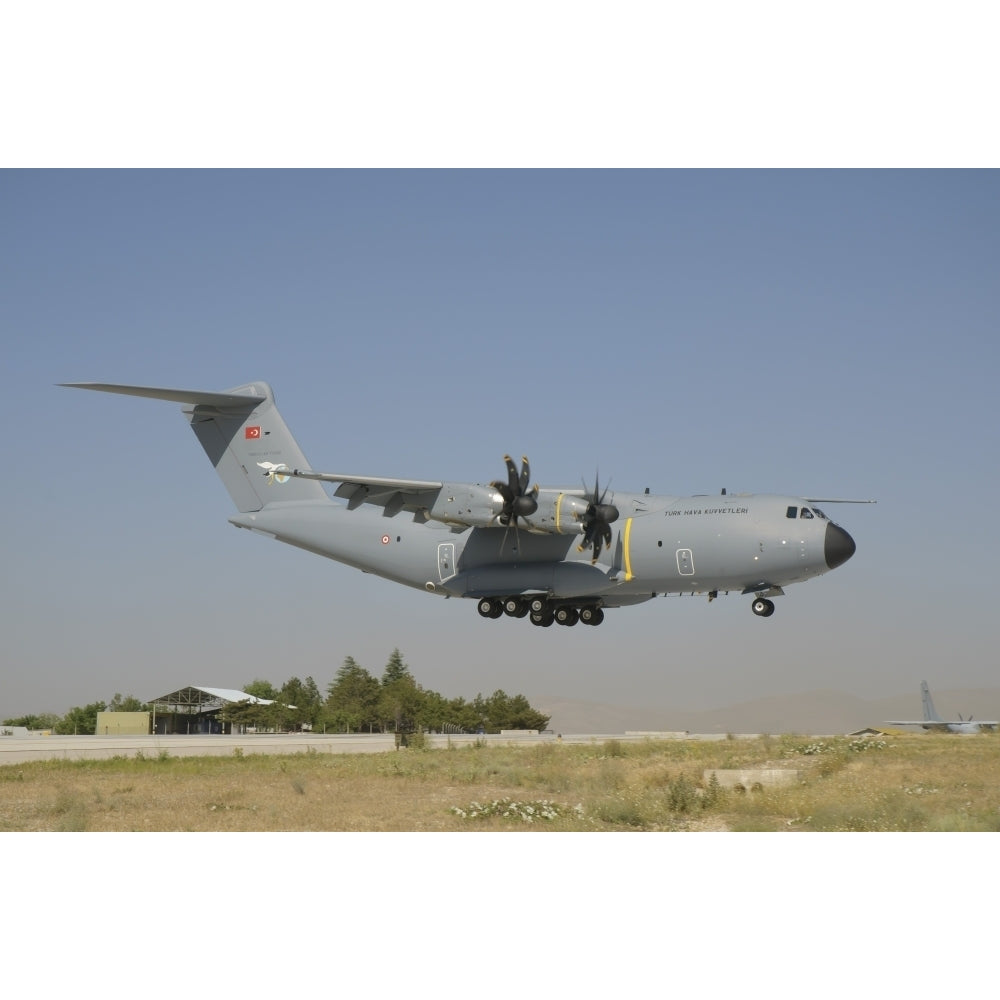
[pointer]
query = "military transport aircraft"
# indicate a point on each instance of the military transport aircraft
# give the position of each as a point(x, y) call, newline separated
point(932, 720)
point(553, 554)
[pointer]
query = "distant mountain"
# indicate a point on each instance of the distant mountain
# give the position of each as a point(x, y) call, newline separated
point(813, 712)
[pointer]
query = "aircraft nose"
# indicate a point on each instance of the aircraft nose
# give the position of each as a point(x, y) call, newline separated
point(838, 546)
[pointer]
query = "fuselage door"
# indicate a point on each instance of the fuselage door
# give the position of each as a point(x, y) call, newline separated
point(446, 560)
point(685, 562)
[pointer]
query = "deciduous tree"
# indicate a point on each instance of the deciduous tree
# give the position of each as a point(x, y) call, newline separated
point(81, 720)
point(261, 689)
point(127, 704)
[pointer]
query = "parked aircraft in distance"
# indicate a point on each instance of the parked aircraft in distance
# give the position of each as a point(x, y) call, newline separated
point(932, 720)
point(548, 553)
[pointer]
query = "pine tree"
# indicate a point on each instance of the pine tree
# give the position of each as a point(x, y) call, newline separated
point(352, 698)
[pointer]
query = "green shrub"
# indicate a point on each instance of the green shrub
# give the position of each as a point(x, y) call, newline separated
point(681, 795)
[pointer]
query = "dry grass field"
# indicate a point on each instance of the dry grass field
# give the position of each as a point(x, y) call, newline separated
point(897, 783)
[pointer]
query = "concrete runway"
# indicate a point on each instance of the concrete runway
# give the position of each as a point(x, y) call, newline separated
point(16, 750)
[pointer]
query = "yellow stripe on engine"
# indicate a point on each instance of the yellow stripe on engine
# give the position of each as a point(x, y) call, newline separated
point(558, 512)
point(626, 539)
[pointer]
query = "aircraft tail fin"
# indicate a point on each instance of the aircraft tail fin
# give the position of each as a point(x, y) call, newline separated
point(243, 435)
point(930, 713)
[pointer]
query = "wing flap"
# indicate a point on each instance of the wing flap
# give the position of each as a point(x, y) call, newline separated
point(406, 485)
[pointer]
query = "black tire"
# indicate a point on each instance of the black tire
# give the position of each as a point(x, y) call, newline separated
point(567, 615)
point(514, 607)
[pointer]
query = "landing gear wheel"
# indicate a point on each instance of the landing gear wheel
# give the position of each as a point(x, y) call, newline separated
point(591, 616)
point(567, 615)
point(489, 608)
point(543, 618)
point(537, 605)
point(763, 607)
point(514, 607)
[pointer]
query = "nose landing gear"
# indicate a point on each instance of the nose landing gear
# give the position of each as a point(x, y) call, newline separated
point(762, 607)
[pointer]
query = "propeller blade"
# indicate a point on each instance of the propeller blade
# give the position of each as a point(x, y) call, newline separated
point(518, 501)
point(599, 515)
point(525, 474)
point(512, 480)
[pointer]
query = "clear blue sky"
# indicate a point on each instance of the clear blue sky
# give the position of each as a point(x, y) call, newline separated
point(823, 333)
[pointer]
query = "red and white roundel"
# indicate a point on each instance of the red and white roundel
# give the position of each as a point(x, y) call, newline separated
point(385, 539)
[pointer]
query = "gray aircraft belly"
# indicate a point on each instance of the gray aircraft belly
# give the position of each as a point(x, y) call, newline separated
point(432, 557)
point(394, 548)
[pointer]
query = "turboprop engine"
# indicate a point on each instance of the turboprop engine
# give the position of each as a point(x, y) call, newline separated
point(557, 513)
point(475, 506)
point(467, 504)
point(513, 503)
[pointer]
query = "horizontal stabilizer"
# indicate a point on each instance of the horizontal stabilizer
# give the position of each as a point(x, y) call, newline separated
point(247, 400)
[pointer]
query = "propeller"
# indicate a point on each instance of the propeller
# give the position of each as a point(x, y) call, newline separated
point(597, 520)
point(518, 500)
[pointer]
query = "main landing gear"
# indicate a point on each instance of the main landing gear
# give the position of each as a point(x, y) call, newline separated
point(541, 611)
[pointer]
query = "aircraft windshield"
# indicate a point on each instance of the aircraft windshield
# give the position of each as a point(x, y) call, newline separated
point(805, 513)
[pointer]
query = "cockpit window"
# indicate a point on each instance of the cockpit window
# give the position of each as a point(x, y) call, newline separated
point(792, 512)
point(806, 513)
point(820, 513)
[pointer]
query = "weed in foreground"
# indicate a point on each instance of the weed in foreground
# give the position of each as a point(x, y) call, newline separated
point(524, 812)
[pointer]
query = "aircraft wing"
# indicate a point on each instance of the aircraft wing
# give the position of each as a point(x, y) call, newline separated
point(834, 500)
point(395, 494)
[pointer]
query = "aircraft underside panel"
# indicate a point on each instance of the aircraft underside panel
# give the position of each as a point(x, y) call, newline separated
point(568, 579)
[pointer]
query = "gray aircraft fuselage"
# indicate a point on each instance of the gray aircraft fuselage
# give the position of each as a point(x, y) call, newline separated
point(665, 545)
point(559, 554)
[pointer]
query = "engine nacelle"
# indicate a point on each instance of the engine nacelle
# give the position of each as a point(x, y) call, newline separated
point(474, 506)
point(558, 514)
point(467, 504)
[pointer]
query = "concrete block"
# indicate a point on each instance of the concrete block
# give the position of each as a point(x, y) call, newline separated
point(749, 778)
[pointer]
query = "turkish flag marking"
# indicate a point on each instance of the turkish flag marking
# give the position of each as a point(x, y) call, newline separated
point(253, 432)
